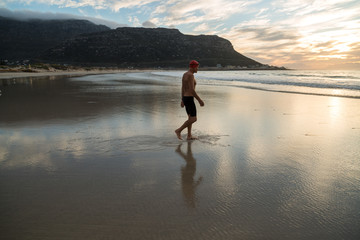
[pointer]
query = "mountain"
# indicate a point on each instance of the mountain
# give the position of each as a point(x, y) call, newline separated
point(147, 47)
point(28, 39)
point(81, 42)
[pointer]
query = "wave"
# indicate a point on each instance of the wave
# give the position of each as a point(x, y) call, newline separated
point(344, 83)
point(322, 76)
point(340, 85)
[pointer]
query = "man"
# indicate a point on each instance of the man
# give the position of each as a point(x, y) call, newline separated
point(188, 94)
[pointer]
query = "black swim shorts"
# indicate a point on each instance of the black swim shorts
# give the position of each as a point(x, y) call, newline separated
point(189, 105)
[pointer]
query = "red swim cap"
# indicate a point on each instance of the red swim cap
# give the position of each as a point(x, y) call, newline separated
point(193, 64)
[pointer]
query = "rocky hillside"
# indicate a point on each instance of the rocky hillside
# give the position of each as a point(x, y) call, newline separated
point(28, 39)
point(81, 42)
point(144, 47)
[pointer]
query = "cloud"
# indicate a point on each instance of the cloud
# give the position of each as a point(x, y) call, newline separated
point(116, 5)
point(278, 30)
point(303, 33)
point(170, 13)
point(202, 28)
point(267, 34)
point(306, 7)
point(135, 21)
point(27, 14)
point(148, 24)
point(178, 12)
point(101, 4)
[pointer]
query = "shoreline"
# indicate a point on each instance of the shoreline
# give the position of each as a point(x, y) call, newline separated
point(82, 72)
point(12, 75)
point(21, 73)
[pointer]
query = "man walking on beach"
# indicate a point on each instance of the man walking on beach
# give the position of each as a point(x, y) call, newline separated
point(187, 95)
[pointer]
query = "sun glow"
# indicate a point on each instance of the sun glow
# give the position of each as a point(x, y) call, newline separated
point(335, 56)
point(342, 47)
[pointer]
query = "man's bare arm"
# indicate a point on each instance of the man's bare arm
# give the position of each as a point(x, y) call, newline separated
point(191, 87)
point(182, 91)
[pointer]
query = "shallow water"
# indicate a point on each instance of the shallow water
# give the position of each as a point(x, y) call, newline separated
point(311, 82)
point(96, 158)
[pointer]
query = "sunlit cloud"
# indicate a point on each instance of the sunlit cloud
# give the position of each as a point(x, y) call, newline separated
point(189, 11)
point(278, 32)
point(202, 28)
point(304, 31)
point(117, 5)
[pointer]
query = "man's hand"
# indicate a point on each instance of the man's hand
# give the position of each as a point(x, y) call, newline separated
point(201, 103)
point(182, 104)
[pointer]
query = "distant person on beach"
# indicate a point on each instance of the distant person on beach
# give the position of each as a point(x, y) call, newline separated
point(187, 99)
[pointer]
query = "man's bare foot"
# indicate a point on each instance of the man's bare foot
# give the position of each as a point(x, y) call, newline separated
point(192, 138)
point(178, 134)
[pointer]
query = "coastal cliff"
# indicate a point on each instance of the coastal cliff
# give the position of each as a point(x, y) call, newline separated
point(144, 47)
point(22, 40)
point(80, 42)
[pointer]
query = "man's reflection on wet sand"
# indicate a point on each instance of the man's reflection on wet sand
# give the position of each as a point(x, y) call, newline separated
point(188, 171)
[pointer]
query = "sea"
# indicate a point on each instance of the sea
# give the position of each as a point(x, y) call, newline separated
point(313, 82)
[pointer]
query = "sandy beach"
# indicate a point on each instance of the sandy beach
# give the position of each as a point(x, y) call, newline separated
point(96, 157)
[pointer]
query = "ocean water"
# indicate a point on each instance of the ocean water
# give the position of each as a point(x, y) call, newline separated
point(314, 82)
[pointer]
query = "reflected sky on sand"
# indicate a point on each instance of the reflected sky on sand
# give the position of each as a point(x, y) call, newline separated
point(96, 157)
point(188, 181)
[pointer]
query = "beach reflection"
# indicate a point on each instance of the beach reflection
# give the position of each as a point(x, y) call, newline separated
point(102, 154)
point(188, 181)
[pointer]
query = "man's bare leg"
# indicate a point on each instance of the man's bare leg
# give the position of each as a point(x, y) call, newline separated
point(186, 124)
point(189, 136)
point(178, 134)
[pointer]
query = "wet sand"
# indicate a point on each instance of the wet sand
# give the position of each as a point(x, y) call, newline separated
point(47, 73)
point(99, 159)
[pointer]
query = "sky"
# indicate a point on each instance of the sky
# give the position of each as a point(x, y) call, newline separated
point(297, 34)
